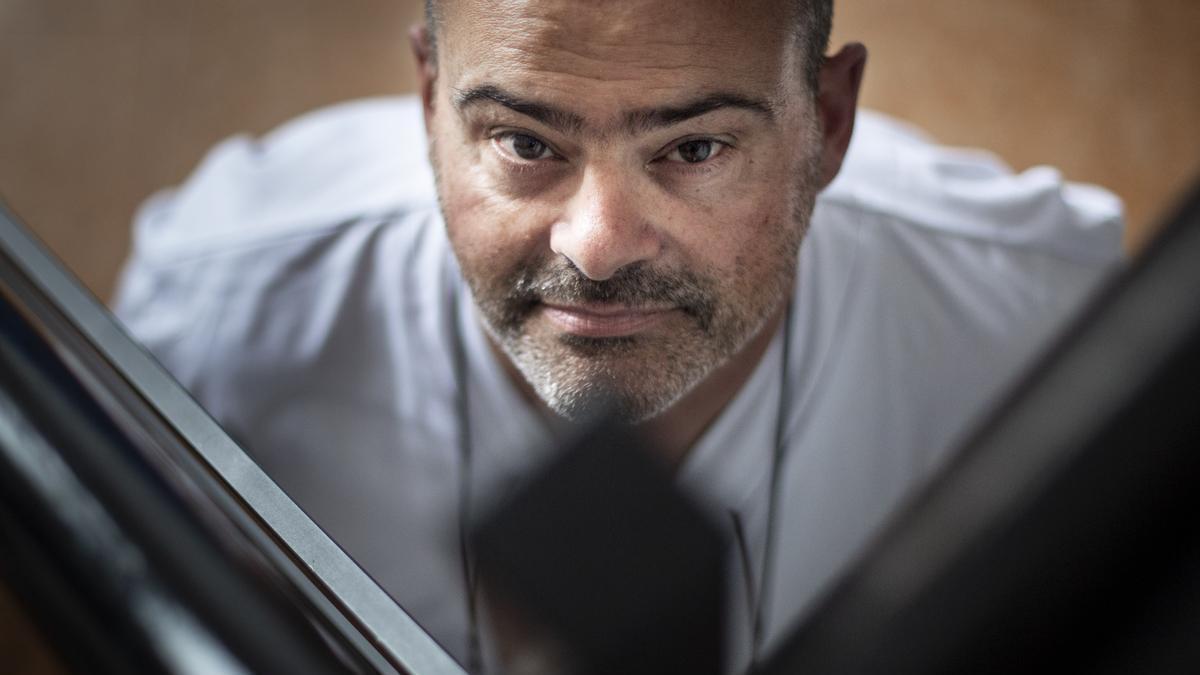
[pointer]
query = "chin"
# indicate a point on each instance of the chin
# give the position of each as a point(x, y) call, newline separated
point(581, 378)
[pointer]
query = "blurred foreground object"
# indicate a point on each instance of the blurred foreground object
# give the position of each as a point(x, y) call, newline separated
point(609, 563)
point(138, 536)
point(1064, 538)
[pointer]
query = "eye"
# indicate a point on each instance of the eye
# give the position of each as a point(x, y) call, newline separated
point(695, 151)
point(524, 146)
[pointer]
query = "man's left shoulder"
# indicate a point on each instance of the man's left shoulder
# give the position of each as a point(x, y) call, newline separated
point(951, 241)
point(896, 176)
point(928, 280)
point(931, 276)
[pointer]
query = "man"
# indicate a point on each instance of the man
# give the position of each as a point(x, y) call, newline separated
point(622, 193)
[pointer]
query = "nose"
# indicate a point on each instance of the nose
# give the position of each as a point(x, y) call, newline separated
point(604, 227)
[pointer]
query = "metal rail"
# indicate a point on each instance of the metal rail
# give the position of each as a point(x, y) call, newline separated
point(333, 584)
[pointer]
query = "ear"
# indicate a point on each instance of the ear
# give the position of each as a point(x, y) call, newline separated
point(837, 103)
point(419, 38)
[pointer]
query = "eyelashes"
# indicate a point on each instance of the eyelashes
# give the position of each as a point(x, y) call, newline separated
point(524, 153)
point(695, 150)
point(524, 147)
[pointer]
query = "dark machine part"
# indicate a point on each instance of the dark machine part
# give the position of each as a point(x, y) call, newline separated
point(603, 552)
point(139, 532)
point(123, 576)
point(120, 540)
point(1066, 535)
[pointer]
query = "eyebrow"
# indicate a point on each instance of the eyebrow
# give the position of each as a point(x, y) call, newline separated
point(636, 121)
point(556, 118)
point(655, 118)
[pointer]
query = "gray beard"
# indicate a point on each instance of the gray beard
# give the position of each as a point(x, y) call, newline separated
point(576, 376)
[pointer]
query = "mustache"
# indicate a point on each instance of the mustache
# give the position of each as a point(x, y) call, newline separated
point(636, 286)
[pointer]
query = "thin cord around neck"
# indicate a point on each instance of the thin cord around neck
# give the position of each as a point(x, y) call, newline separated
point(786, 393)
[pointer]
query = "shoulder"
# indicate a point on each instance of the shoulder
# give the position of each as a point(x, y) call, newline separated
point(896, 174)
point(334, 165)
point(931, 276)
point(275, 243)
point(936, 238)
point(928, 280)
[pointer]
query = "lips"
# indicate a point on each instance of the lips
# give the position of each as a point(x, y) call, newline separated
point(603, 320)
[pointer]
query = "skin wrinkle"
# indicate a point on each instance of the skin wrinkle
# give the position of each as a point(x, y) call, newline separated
point(602, 68)
point(635, 122)
point(564, 121)
point(608, 218)
point(641, 121)
point(603, 65)
point(557, 44)
point(615, 54)
point(556, 33)
point(605, 73)
point(810, 21)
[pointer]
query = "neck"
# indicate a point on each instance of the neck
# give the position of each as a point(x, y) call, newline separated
point(673, 433)
point(677, 430)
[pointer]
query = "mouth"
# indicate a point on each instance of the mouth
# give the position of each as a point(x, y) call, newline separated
point(604, 320)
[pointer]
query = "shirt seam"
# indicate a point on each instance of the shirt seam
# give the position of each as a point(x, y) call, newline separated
point(855, 203)
point(197, 251)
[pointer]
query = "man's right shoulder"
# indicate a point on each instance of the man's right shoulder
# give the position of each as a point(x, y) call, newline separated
point(308, 221)
point(344, 163)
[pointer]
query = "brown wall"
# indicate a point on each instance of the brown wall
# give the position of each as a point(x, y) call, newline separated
point(1106, 90)
point(101, 103)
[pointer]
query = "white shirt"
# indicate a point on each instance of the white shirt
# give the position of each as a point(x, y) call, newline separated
point(300, 285)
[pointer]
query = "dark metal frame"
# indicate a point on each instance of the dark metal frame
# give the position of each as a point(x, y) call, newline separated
point(172, 435)
point(1064, 536)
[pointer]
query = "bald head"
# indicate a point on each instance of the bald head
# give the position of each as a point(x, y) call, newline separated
point(625, 184)
point(810, 21)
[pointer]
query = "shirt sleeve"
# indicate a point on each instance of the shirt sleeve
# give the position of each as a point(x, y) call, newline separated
point(338, 165)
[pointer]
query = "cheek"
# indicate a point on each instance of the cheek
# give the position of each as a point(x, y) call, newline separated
point(744, 231)
point(491, 234)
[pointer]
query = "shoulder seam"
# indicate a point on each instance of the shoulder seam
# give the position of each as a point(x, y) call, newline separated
point(850, 202)
point(197, 250)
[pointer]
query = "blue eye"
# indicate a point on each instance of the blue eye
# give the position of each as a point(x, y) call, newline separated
point(525, 146)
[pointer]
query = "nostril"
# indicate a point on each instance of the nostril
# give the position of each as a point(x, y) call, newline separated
point(586, 250)
point(605, 227)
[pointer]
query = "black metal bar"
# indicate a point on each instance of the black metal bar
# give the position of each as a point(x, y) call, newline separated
point(1063, 538)
point(122, 539)
point(175, 437)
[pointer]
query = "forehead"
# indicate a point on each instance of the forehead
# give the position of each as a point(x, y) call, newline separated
point(631, 52)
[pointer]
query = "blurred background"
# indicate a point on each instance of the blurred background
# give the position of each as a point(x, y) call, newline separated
point(103, 103)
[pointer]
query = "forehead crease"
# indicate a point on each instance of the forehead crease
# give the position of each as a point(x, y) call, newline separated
point(645, 119)
point(626, 119)
point(596, 36)
point(629, 96)
point(613, 66)
point(630, 21)
point(602, 60)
